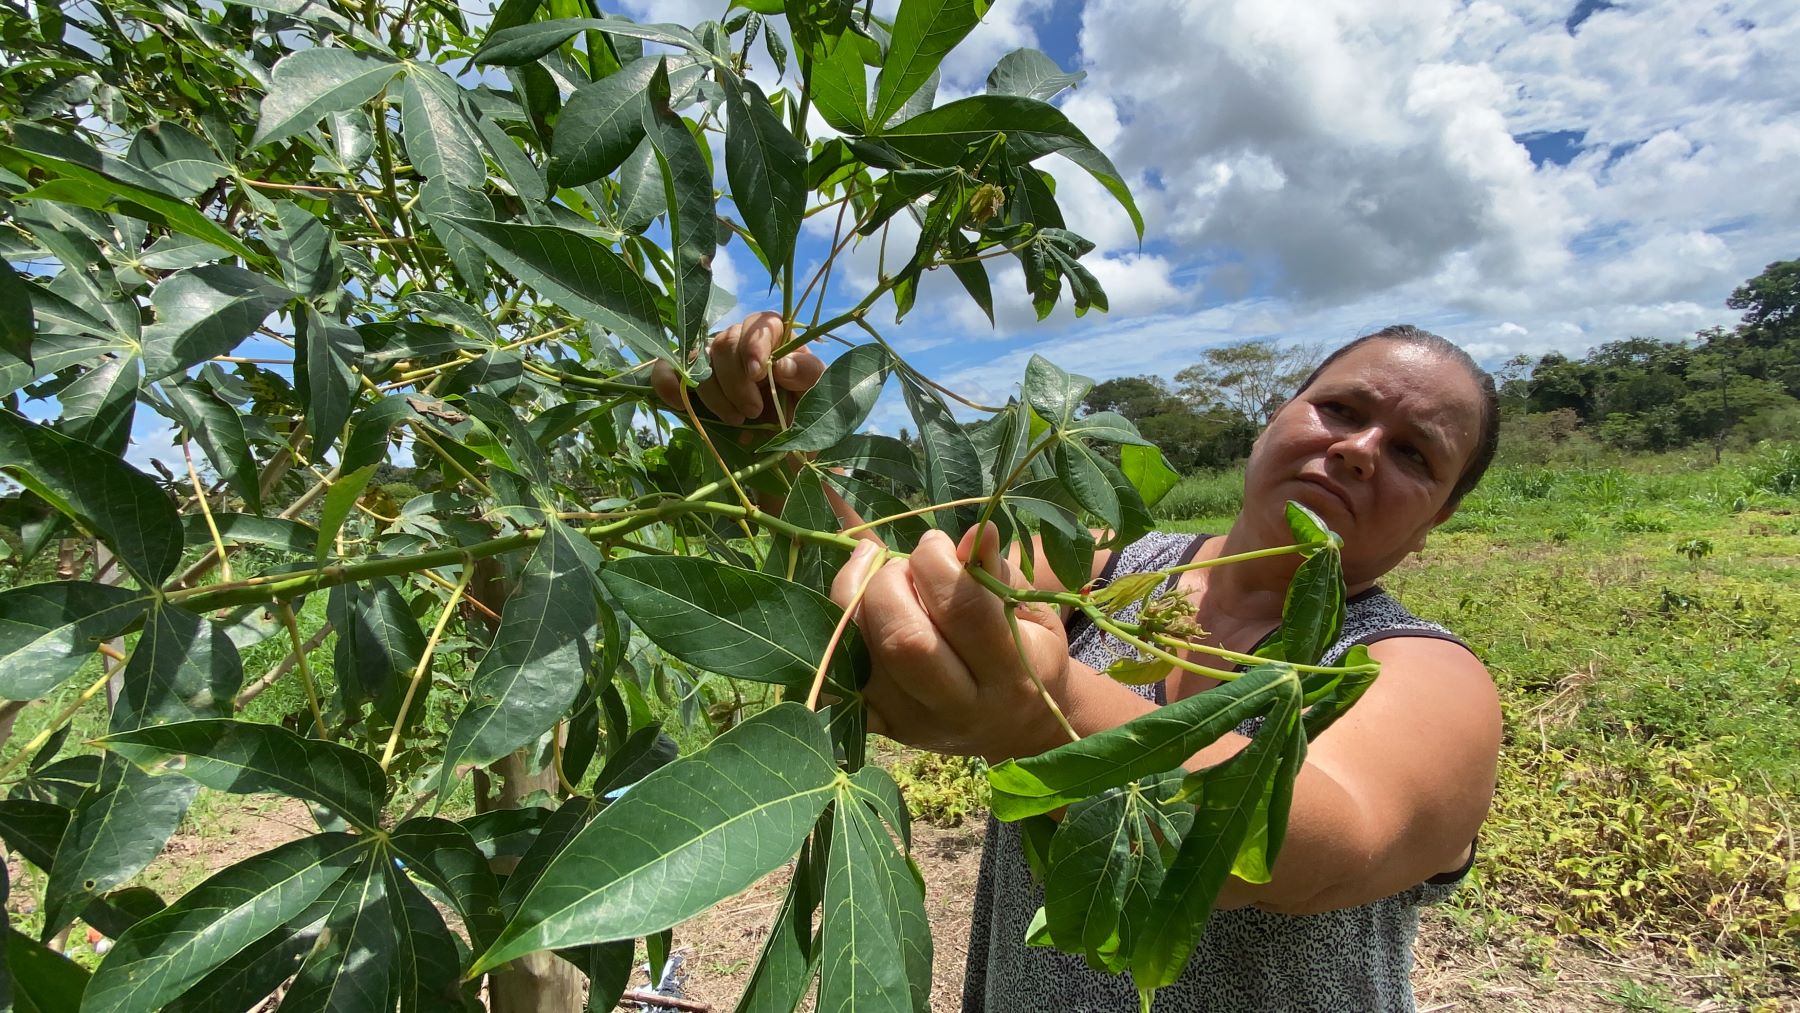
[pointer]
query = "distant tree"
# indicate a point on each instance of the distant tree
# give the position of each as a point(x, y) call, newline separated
point(1767, 344)
point(1559, 382)
point(1189, 438)
point(1771, 300)
point(1251, 378)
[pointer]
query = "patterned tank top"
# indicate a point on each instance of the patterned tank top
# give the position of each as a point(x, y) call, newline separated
point(1354, 959)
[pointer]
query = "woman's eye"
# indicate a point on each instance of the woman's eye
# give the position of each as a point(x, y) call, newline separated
point(1334, 407)
point(1415, 455)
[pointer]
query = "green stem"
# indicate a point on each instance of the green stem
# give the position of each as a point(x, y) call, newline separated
point(1242, 659)
point(1104, 622)
point(286, 612)
point(1244, 557)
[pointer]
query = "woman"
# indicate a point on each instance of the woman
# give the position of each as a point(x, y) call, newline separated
point(1382, 441)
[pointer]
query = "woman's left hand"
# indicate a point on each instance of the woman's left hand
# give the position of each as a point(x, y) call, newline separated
point(947, 675)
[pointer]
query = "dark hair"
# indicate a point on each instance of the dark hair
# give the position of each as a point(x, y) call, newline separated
point(1487, 440)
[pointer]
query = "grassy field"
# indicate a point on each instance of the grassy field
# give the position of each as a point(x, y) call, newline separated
point(1640, 619)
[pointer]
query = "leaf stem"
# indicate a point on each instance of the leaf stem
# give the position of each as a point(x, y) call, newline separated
point(1244, 557)
point(286, 612)
point(1012, 622)
point(212, 527)
point(418, 676)
point(1104, 622)
point(1242, 659)
point(878, 522)
point(837, 634)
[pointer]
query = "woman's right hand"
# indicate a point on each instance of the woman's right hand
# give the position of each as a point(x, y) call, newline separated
point(739, 389)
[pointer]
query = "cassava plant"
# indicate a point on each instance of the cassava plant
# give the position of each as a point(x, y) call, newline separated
point(324, 239)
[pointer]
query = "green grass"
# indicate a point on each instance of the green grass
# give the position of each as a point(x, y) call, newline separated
point(1650, 781)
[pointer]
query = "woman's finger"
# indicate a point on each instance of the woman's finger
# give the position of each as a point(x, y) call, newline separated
point(728, 370)
point(853, 574)
point(798, 370)
point(972, 619)
point(714, 399)
point(666, 384)
point(904, 640)
point(762, 332)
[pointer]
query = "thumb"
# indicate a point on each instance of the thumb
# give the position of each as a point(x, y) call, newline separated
point(983, 543)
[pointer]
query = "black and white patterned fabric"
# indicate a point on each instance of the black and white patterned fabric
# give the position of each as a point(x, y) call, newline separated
point(1357, 959)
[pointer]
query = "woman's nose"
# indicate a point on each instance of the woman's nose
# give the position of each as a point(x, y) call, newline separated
point(1358, 451)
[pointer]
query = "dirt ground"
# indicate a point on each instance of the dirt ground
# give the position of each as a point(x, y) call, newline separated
point(1455, 973)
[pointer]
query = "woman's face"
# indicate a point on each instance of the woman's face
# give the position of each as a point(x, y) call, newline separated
point(1374, 447)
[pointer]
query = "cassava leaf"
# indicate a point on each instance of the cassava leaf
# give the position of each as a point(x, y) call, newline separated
point(695, 832)
point(159, 957)
point(578, 273)
point(119, 825)
point(1149, 744)
point(310, 83)
point(119, 504)
point(247, 758)
point(924, 32)
point(205, 311)
point(730, 620)
point(183, 667)
point(532, 672)
point(766, 167)
point(47, 631)
point(838, 403)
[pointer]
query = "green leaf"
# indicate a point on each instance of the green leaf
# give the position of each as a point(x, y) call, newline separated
point(220, 431)
point(877, 455)
point(1313, 612)
point(642, 753)
point(924, 32)
point(974, 278)
point(43, 980)
point(1052, 393)
point(246, 979)
point(689, 835)
point(309, 84)
point(838, 403)
point(33, 829)
point(733, 621)
point(1108, 427)
point(159, 957)
point(766, 168)
point(99, 406)
point(427, 963)
point(869, 499)
point(340, 499)
point(603, 122)
point(1079, 468)
point(875, 949)
point(249, 529)
point(379, 643)
point(1033, 129)
point(248, 758)
point(120, 505)
point(784, 967)
point(119, 825)
point(1030, 74)
point(15, 314)
point(48, 631)
point(1104, 850)
point(535, 666)
point(840, 89)
point(352, 966)
point(581, 275)
point(1152, 743)
point(89, 187)
point(1228, 797)
point(185, 164)
point(326, 353)
point(439, 200)
point(511, 47)
point(438, 135)
point(182, 667)
point(640, 191)
point(443, 854)
point(688, 189)
point(952, 466)
point(1148, 472)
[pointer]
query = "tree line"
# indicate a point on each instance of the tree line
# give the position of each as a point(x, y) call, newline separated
point(1638, 393)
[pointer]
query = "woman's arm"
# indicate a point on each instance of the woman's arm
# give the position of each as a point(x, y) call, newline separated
point(1389, 796)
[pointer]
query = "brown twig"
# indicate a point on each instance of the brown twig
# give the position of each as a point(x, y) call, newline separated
point(644, 997)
